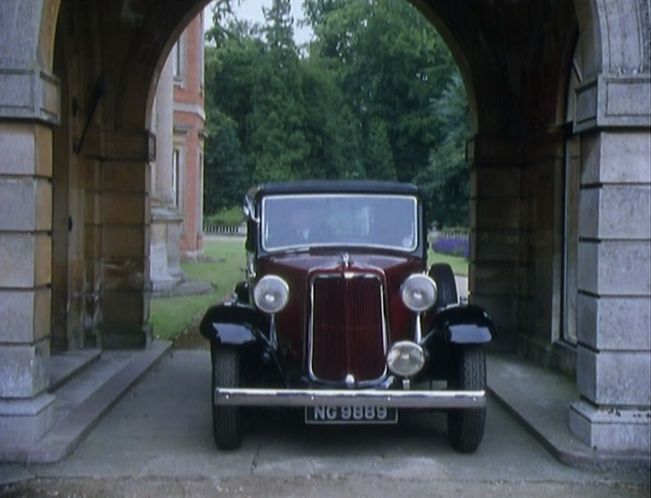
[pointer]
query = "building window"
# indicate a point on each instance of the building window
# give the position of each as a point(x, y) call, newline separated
point(178, 59)
point(176, 177)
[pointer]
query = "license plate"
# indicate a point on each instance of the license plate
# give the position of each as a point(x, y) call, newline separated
point(350, 415)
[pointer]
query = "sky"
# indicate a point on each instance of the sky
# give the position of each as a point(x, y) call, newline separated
point(251, 10)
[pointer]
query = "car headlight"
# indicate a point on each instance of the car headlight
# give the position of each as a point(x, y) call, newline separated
point(271, 294)
point(418, 292)
point(406, 358)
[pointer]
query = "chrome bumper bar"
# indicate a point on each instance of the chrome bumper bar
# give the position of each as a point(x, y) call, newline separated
point(341, 397)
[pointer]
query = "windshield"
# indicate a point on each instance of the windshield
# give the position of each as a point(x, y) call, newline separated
point(298, 221)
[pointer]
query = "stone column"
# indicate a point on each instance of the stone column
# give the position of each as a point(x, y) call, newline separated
point(495, 234)
point(29, 107)
point(165, 218)
point(614, 272)
point(164, 194)
point(125, 238)
point(614, 301)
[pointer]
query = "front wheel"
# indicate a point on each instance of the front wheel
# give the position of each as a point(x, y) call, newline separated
point(445, 283)
point(468, 373)
point(226, 420)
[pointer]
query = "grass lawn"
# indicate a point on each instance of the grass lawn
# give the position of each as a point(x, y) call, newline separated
point(170, 316)
point(459, 265)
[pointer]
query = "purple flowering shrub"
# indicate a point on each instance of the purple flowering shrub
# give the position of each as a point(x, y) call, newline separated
point(454, 246)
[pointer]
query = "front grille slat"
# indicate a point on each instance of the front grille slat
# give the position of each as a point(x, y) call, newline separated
point(347, 328)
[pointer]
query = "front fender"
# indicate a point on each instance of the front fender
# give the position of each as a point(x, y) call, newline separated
point(462, 324)
point(234, 324)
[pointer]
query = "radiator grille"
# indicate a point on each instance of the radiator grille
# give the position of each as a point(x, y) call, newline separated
point(348, 333)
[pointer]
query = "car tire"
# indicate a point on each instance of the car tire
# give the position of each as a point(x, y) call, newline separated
point(468, 372)
point(226, 420)
point(445, 283)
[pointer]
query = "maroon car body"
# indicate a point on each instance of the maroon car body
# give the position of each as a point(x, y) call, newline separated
point(328, 316)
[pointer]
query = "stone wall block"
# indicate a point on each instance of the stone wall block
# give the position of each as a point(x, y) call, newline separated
point(614, 377)
point(93, 240)
point(525, 313)
point(25, 149)
point(24, 315)
point(494, 181)
point(23, 369)
point(133, 146)
point(495, 213)
point(494, 278)
point(130, 274)
point(125, 241)
point(615, 267)
point(25, 259)
point(611, 429)
point(124, 209)
point(124, 308)
point(25, 204)
point(125, 177)
point(614, 323)
point(25, 421)
point(502, 246)
point(29, 93)
point(616, 157)
point(616, 212)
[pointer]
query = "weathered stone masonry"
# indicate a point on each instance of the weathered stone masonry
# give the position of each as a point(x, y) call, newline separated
point(75, 227)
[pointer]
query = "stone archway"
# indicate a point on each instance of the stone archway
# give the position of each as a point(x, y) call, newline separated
point(515, 58)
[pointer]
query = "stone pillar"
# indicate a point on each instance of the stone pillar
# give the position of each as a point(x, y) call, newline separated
point(164, 195)
point(614, 265)
point(125, 229)
point(495, 212)
point(165, 218)
point(29, 107)
point(614, 301)
point(25, 262)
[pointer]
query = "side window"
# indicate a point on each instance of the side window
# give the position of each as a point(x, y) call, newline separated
point(178, 60)
point(176, 176)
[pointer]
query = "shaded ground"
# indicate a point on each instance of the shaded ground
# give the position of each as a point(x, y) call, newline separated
point(191, 338)
point(157, 442)
point(306, 487)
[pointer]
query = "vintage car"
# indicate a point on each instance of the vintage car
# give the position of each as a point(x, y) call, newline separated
point(339, 315)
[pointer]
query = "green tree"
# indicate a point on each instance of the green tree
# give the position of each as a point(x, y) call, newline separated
point(330, 127)
point(446, 179)
point(278, 145)
point(379, 156)
point(225, 173)
point(390, 65)
point(376, 95)
point(229, 80)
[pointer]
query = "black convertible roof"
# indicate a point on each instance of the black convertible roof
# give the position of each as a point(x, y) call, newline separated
point(335, 186)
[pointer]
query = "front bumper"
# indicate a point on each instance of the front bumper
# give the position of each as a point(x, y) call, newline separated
point(341, 397)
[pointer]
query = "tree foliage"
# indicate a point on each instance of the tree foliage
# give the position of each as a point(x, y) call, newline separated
point(375, 94)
